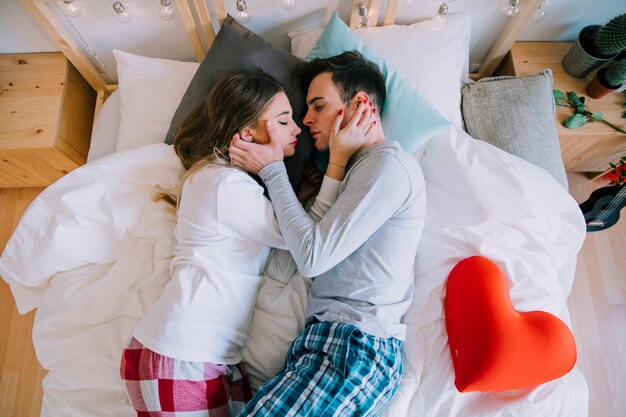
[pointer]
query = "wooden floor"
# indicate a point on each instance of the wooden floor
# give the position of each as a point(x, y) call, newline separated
point(597, 305)
point(598, 308)
point(21, 374)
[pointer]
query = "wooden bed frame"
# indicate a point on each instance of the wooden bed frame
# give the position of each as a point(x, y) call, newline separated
point(201, 35)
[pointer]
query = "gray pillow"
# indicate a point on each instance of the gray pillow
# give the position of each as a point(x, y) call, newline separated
point(237, 48)
point(516, 114)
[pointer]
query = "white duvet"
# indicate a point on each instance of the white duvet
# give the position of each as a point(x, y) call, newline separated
point(92, 254)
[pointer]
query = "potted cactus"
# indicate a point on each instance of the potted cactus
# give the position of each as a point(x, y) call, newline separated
point(607, 79)
point(596, 44)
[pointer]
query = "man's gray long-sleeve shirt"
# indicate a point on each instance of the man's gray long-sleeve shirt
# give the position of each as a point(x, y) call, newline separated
point(362, 251)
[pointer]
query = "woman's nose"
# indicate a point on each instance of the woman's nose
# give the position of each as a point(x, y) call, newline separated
point(297, 129)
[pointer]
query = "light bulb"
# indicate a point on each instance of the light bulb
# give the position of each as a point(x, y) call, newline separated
point(540, 13)
point(364, 15)
point(442, 14)
point(166, 11)
point(71, 8)
point(511, 9)
point(120, 12)
point(242, 15)
point(288, 4)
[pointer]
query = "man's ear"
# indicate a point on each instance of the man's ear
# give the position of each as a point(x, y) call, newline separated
point(247, 134)
point(359, 98)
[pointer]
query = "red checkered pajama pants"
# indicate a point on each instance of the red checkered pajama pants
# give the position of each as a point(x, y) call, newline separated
point(159, 386)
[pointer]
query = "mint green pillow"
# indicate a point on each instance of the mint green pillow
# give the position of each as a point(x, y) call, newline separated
point(406, 116)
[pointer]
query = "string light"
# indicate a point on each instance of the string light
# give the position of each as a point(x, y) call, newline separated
point(166, 11)
point(71, 8)
point(442, 14)
point(120, 12)
point(288, 4)
point(364, 15)
point(511, 9)
point(540, 13)
point(242, 15)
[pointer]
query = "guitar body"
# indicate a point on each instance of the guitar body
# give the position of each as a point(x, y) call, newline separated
point(602, 209)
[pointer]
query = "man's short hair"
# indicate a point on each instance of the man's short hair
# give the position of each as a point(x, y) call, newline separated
point(351, 73)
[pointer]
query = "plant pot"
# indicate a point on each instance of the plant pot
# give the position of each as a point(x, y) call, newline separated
point(598, 88)
point(578, 62)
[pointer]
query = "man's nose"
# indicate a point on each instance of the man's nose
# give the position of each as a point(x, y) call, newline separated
point(307, 118)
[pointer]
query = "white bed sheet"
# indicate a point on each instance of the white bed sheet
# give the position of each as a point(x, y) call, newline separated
point(92, 254)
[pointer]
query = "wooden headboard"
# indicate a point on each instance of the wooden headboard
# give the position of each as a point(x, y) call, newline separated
point(499, 49)
point(200, 36)
point(199, 24)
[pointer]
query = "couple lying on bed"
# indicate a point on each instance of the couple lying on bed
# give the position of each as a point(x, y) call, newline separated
point(358, 240)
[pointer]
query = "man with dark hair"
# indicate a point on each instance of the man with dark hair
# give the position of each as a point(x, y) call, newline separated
point(351, 73)
point(347, 361)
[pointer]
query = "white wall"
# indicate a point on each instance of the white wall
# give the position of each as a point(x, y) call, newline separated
point(565, 18)
point(146, 34)
point(18, 31)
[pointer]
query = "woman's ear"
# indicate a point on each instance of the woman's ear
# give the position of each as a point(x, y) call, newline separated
point(247, 134)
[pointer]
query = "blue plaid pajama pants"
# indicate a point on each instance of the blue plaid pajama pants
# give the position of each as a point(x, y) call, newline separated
point(332, 369)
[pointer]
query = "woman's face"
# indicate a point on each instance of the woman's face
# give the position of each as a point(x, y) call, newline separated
point(278, 111)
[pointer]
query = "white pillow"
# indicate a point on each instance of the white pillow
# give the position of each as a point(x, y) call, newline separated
point(150, 91)
point(303, 42)
point(432, 58)
point(106, 128)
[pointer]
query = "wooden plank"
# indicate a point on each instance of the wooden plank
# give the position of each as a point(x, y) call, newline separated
point(206, 27)
point(220, 11)
point(76, 117)
point(391, 12)
point(31, 99)
point(33, 167)
point(507, 37)
point(46, 20)
point(597, 305)
point(100, 99)
point(588, 148)
point(46, 119)
point(190, 26)
point(20, 373)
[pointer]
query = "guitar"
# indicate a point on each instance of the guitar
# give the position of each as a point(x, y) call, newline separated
point(602, 208)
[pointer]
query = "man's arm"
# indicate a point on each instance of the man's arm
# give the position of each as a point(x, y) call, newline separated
point(370, 198)
point(280, 264)
point(346, 141)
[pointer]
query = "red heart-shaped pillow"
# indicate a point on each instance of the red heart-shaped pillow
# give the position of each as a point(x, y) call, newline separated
point(493, 346)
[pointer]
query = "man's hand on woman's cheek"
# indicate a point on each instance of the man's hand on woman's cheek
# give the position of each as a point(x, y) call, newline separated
point(253, 157)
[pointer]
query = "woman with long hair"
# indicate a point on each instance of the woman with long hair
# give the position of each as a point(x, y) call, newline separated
point(185, 354)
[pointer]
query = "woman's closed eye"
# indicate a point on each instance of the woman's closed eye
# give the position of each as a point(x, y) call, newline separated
point(282, 122)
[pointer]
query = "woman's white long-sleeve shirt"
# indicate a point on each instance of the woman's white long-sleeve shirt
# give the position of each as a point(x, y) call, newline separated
point(225, 229)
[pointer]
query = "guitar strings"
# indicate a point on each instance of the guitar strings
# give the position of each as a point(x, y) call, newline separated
point(621, 195)
point(606, 213)
point(613, 204)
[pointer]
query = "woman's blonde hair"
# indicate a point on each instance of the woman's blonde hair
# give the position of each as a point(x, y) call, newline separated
point(236, 101)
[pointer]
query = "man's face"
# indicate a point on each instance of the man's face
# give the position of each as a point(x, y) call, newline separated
point(324, 102)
